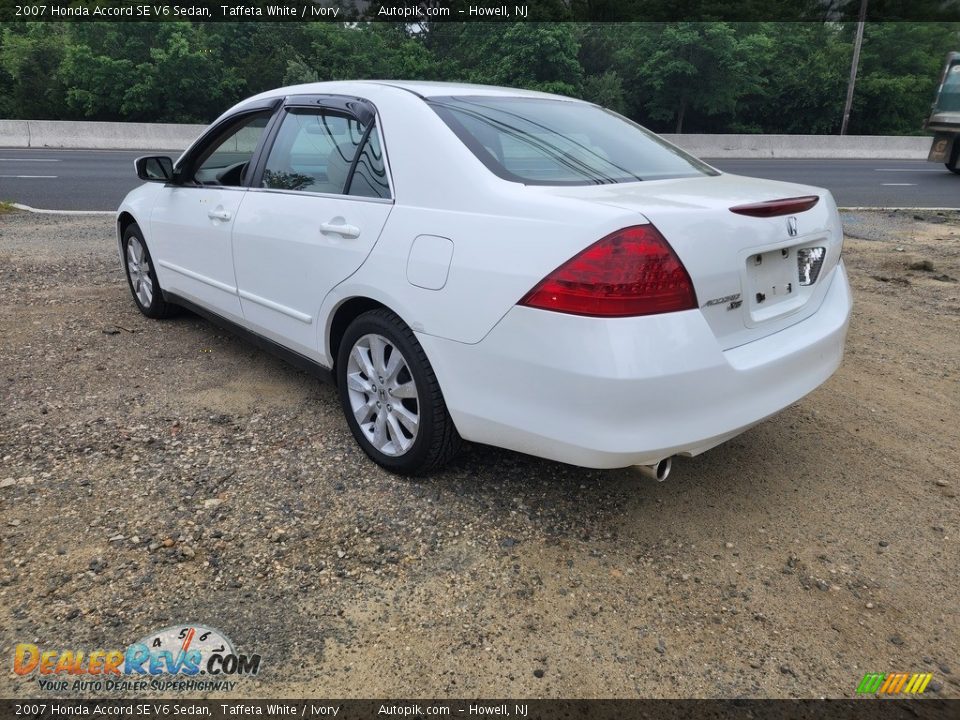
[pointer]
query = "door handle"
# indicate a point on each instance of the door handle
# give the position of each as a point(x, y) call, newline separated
point(342, 229)
point(219, 214)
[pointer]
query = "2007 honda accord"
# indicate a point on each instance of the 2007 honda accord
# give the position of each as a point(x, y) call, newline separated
point(507, 267)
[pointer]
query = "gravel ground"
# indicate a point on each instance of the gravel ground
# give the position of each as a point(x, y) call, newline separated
point(154, 473)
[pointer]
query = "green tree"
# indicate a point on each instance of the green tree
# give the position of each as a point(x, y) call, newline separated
point(7, 105)
point(362, 51)
point(537, 56)
point(183, 81)
point(96, 84)
point(899, 69)
point(605, 89)
point(773, 77)
point(258, 53)
point(678, 68)
point(30, 57)
point(804, 81)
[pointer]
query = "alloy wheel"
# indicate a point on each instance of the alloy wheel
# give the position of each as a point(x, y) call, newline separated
point(138, 265)
point(383, 395)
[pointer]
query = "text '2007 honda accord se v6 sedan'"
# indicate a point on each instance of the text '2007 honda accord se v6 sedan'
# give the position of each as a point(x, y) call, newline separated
point(513, 268)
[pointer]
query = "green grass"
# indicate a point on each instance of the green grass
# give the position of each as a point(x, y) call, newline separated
point(6, 207)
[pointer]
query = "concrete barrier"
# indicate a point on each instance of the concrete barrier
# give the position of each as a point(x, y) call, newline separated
point(805, 146)
point(97, 135)
point(157, 136)
point(14, 133)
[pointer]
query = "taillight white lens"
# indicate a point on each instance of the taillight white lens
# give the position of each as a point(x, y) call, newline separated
point(809, 262)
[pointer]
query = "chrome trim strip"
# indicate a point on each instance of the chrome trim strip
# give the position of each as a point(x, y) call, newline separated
point(198, 277)
point(289, 312)
point(330, 196)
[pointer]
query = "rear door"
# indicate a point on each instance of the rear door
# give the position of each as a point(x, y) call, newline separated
point(318, 203)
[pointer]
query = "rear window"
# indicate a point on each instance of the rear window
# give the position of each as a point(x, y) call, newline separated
point(555, 142)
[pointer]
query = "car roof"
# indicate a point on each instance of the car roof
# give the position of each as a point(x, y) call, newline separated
point(423, 88)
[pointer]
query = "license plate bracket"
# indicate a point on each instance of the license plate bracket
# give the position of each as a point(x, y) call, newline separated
point(774, 283)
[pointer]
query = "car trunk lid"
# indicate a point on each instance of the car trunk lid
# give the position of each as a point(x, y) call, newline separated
point(753, 275)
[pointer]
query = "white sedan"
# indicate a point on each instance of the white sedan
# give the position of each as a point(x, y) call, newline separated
point(507, 267)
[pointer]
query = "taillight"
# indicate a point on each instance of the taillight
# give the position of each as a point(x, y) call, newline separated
point(633, 271)
point(773, 208)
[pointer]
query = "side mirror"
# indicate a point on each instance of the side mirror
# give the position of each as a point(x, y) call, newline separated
point(154, 168)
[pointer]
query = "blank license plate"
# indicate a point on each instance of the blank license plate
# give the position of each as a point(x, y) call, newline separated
point(773, 278)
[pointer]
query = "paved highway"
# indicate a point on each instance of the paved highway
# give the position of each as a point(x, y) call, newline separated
point(98, 180)
point(67, 179)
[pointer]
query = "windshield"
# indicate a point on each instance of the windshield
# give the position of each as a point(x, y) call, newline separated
point(555, 142)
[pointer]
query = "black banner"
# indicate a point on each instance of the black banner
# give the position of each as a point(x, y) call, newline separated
point(408, 11)
point(866, 709)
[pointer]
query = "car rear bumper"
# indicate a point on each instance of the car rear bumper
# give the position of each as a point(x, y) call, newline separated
point(629, 391)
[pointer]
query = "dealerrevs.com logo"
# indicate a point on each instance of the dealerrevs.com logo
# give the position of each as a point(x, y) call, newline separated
point(179, 658)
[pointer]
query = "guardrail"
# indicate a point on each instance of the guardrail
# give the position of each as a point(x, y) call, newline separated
point(157, 136)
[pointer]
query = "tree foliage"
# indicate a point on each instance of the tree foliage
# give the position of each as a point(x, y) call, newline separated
point(536, 56)
point(704, 68)
point(772, 77)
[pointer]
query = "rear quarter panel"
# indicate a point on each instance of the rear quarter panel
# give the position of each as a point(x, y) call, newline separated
point(498, 256)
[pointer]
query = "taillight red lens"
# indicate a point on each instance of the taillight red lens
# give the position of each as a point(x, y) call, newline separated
point(773, 208)
point(633, 271)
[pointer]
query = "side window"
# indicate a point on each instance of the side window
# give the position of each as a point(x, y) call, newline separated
point(314, 152)
point(370, 177)
point(225, 161)
point(949, 98)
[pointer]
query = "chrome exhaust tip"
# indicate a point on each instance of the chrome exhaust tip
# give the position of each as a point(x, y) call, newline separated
point(659, 471)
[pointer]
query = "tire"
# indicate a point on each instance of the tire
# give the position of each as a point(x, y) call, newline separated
point(142, 277)
point(391, 397)
point(954, 163)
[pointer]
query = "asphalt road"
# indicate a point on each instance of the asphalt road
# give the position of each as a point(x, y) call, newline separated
point(98, 180)
point(67, 179)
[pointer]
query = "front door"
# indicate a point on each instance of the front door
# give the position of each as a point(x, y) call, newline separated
point(191, 223)
point(311, 219)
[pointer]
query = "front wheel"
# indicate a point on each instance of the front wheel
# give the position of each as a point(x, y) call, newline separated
point(142, 277)
point(391, 397)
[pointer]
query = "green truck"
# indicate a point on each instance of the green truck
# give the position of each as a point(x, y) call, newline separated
point(944, 120)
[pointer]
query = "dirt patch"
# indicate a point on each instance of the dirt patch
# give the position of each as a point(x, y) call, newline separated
point(162, 472)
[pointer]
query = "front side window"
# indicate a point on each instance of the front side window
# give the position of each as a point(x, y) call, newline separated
point(949, 98)
point(326, 152)
point(556, 142)
point(226, 160)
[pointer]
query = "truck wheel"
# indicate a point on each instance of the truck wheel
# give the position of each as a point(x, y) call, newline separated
point(954, 164)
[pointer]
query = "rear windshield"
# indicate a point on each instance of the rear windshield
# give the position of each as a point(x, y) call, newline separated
point(555, 142)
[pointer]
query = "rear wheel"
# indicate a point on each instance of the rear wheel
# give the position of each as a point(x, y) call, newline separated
point(391, 397)
point(142, 277)
point(953, 165)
